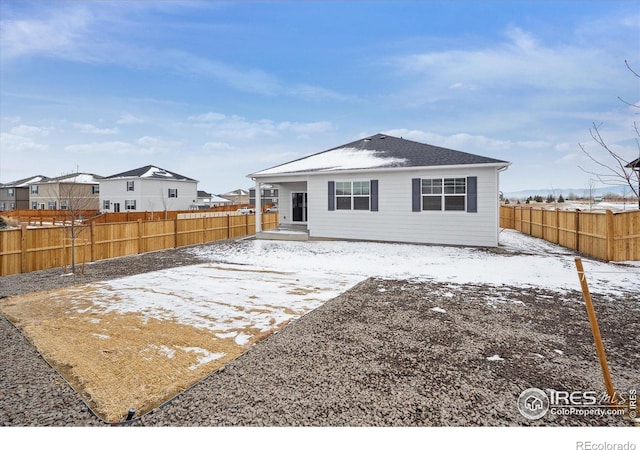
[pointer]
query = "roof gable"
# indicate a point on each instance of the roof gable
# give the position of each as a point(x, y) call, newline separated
point(379, 152)
point(150, 172)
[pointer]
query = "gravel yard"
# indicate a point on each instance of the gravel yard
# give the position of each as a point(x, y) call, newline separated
point(385, 353)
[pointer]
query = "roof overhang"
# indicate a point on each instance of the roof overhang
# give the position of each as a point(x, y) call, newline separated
point(272, 176)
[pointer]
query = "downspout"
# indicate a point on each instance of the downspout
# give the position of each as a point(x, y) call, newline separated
point(501, 169)
point(258, 207)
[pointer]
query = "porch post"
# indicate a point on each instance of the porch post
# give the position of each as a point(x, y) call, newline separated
point(258, 206)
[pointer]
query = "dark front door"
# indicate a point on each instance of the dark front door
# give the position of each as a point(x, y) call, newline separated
point(116, 207)
point(299, 206)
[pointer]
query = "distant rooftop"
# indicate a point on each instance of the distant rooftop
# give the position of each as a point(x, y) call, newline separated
point(150, 171)
point(24, 182)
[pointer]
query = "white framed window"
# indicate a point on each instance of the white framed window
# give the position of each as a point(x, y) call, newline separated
point(95, 189)
point(354, 195)
point(106, 204)
point(130, 205)
point(34, 189)
point(34, 205)
point(444, 194)
point(64, 204)
point(173, 193)
point(52, 205)
point(11, 192)
point(130, 186)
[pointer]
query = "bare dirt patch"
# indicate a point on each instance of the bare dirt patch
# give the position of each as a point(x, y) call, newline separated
point(119, 361)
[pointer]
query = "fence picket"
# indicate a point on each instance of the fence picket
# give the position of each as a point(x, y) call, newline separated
point(29, 249)
point(609, 236)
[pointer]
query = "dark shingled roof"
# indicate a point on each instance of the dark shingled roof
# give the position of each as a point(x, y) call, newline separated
point(139, 172)
point(413, 154)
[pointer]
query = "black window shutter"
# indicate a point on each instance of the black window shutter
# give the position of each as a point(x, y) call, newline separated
point(332, 195)
point(472, 194)
point(374, 195)
point(416, 194)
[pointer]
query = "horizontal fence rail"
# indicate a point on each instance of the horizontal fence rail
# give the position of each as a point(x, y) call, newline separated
point(27, 249)
point(604, 235)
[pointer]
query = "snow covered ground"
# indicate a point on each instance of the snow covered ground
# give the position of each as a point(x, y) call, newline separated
point(521, 260)
point(261, 284)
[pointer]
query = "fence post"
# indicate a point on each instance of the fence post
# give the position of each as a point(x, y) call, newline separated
point(175, 232)
point(610, 236)
point(228, 226)
point(577, 227)
point(23, 248)
point(92, 239)
point(140, 236)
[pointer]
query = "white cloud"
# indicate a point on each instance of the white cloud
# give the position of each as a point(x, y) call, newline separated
point(467, 142)
point(217, 147)
point(146, 145)
point(13, 143)
point(237, 127)
point(92, 129)
point(56, 34)
point(127, 119)
point(28, 130)
point(114, 147)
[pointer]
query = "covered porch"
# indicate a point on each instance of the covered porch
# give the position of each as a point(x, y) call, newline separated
point(292, 210)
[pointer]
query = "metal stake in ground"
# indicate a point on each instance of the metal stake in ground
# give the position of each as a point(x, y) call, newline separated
point(593, 320)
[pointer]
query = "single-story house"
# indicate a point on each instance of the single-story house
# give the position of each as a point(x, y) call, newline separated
point(148, 188)
point(208, 201)
point(77, 191)
point(15, 195)
point(384, 188)
point(237, 196)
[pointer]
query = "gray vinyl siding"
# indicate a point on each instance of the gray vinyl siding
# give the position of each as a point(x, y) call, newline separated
point(395, 221)
point(149, 194)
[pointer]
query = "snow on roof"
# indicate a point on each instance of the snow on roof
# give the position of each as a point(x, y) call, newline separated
point(80, 178)
point(156, 172)
point(216, 199)
point(150, 171)
point(380, 152)
point(26, 181)
point(339, 159)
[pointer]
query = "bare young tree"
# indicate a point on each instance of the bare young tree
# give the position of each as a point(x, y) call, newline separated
point(615, 169)
point(76, 199)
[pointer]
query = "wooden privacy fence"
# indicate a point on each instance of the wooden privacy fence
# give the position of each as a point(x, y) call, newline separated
point(29, 249)
point(608, 236)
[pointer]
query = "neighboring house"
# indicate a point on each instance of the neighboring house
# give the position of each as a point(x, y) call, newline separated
point(148, 188)
point(208, 201)
point(15, 195)
point(269, 196)
point(79, 191)
point(237, 197)
point(383, 188)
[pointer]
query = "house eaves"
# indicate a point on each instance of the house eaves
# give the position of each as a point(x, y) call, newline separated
point(379, 153)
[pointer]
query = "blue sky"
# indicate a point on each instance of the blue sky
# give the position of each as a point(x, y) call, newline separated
point(217, 90)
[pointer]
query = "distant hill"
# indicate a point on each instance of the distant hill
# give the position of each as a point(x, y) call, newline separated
point(578, 192)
